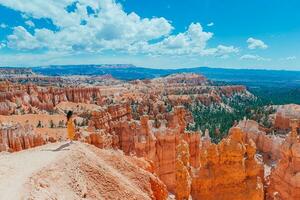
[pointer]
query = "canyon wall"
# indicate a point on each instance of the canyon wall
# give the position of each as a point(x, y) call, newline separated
point(268, 145)
point(145, 138)
point(284, 181)
point(25, 98)
point(15, 137)
point(182, 169)
point(284, 114)
point(228, 170)
point(147, 119)
point(187, 164)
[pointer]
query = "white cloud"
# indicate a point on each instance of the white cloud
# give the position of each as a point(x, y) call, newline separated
point(112, 28)
point(220, 51)
point(291, 58)
point(224, 50)
point(2, 45)
point(108, 28)
point(288, 58)
point(30, 23)
point(256, 44)
point(191, 42)
point(254, 57)
point(2, 25)
point(210, 24)
point(23, 40)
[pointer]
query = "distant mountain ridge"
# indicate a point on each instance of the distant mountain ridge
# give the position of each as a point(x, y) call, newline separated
point(131, 72)
point(90, 65)
point(119, 71)
point(248, 77)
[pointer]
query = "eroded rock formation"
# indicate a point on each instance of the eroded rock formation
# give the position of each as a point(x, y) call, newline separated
point(284, 114)
point(182, 168)
point(157, 96)
point(285, 177)
point(15, 137)
point(145, 138)
point(80, 172)
point(147, 119)
point(268, 145)
point(228, 170)
point(25, 97)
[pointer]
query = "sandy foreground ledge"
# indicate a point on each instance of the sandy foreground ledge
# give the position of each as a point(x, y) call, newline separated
point(76, 171)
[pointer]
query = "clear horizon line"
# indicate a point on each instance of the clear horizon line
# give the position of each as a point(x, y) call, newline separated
point(178, 68)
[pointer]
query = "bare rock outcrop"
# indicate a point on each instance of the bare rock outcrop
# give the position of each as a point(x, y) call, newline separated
point(228, 170)
point(145, 138)
point(285, 177)
point(15, 137)
point(268, 145)
point(284, 114)
point(159, 144)
point(29, 96)
point(182, 167)
point(78, 171)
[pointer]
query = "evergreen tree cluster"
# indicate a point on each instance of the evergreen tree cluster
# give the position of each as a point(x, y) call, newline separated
point(219, 118)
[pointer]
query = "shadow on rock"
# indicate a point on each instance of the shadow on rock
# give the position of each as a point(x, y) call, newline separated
point(60, 148)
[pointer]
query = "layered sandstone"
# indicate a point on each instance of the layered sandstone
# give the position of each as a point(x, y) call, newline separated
point(154, 140)
point(284, 114)
point(15, 137)
point(108, 118)
point(228, 170)
point(182, 168)
point(176, 161)
point(159, 144)
point(66, 81)
point(187, 79)
point(157, 96)
point(268, 145)
point(148, 119)
point(285, 177)
point(26, 97)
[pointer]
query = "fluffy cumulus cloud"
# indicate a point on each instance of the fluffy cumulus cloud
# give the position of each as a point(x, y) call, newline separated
point(256, 44)
point(192, 41)
point(21, 39)
point(97, 26)
point(253, 57)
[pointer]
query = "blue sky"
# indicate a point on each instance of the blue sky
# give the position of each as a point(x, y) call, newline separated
point(262, 34)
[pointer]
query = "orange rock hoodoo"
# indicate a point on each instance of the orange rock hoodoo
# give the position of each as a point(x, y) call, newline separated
point(146, 119)
point(268, 145)
point(14, 96)
point(182, 168)
point(155, 97)
point(284, 114)
point(180, 157)
point(14, 137)
point(228, 170)
point(285, 177)
point(143, 139)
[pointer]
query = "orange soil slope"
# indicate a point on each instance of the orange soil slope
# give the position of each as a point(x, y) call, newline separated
point(80, 171)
